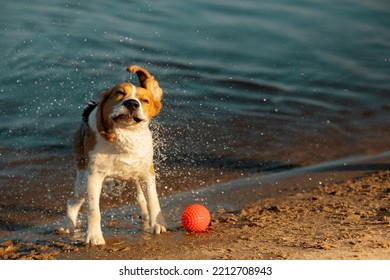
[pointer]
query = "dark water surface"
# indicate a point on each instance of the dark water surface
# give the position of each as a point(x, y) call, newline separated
point(249, 86)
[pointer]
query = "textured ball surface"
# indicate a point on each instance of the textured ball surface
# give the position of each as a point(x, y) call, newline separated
point(195, 218)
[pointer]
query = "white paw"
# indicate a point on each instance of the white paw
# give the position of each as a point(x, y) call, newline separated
point(95, 238)
point(69, 227)
point(62, 230)
point(158, 228)
point(145, 225)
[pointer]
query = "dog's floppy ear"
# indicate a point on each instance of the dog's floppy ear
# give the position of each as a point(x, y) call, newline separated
point(147, 81)
point(103, 122)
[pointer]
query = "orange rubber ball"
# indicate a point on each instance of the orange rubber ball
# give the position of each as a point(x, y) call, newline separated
point(195, 218)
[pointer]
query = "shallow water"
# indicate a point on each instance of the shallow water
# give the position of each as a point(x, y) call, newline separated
point(249, 87)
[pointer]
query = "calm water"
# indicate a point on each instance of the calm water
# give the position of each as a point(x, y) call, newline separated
point(249, 86)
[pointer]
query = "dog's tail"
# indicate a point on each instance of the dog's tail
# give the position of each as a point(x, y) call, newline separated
point(91, 105)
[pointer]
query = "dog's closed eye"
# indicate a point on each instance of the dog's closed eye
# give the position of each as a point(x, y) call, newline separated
point(120, 92)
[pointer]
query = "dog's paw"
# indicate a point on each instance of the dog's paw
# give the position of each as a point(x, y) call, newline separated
point(158, 228)
point(95, 238)
point(62, 231)
point(145, 225)
point(67, 228)
point(159, 225)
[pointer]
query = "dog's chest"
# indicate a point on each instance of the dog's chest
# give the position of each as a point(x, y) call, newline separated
point(129, 156)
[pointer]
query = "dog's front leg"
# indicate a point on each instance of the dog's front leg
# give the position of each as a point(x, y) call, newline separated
point(75, 202)
point(94, 187)
point(143, 206)
point(157, 221)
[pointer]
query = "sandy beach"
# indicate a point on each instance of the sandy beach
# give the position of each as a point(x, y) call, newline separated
point(343, 216)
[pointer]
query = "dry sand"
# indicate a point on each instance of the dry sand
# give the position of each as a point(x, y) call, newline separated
point(337, 220)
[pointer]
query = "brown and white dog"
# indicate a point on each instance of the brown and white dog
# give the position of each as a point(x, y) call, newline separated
point(114, 141)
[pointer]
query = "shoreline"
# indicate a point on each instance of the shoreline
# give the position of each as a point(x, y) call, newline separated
point(336, 210)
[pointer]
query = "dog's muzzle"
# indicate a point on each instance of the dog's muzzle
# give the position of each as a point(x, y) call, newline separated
point(130, 111)
point(131, 104)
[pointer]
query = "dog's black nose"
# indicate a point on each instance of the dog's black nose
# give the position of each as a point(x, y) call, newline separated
point(131, 104)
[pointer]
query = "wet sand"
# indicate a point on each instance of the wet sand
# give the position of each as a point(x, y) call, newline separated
point(330, 211)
